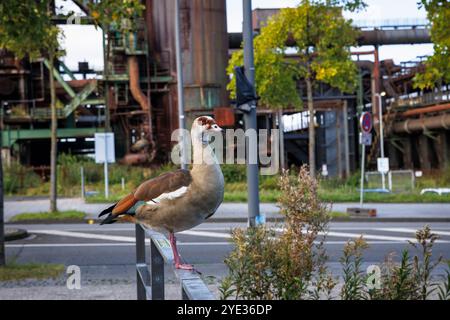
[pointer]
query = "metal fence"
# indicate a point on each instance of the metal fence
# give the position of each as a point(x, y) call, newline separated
point(397, 180)
point(150, 278)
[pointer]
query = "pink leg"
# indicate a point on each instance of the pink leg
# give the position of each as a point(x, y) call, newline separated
point(176, 256)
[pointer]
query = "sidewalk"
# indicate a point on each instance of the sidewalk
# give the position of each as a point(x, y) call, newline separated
point(238, 211)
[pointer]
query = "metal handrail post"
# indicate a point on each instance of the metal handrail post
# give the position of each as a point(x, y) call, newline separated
point(157, 272)
point(140, 262)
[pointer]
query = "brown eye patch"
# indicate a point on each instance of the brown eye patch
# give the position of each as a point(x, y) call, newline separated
point(208, 121)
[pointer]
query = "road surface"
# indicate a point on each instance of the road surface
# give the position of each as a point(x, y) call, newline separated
point(106, 254)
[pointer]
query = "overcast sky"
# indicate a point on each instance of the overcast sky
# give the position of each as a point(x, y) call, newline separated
point(83, 43)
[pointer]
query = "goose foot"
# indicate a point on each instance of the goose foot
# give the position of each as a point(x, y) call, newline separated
point(176, 256)
point(184, 266)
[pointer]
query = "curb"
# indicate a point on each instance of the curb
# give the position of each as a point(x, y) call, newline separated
point(44, 221)
point(12, 234)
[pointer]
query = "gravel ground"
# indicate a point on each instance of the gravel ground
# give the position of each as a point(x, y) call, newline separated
point(97, 283)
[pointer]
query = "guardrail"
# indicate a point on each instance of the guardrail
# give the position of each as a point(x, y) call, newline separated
point(150, 279)
point(429, 98)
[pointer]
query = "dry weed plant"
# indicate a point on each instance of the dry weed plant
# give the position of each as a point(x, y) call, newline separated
point(289, 261)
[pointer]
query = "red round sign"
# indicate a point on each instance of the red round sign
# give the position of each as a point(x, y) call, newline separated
point(366, 122)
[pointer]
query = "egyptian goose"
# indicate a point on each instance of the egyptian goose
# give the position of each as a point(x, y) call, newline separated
point(177, 200)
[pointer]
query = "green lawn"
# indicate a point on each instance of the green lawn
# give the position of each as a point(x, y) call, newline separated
point(16, 271)
point(237, 192)
point(49, 216)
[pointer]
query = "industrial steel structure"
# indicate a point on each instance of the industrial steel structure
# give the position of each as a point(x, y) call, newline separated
point(136, 95)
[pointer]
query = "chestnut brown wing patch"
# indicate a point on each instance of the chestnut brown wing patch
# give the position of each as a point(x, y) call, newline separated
point(208, 121)
point(165, 183)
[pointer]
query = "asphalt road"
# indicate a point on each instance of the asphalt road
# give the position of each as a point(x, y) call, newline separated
point(108, 251)
point(106, 255)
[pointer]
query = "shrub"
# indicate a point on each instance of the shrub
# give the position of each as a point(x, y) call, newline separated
point(17, 178)
point(288, 265)
point(354, 277)
point(289, 262)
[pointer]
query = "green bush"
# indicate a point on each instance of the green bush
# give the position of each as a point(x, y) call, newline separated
point(234, 172)
point(17, 178)
point(290, 265)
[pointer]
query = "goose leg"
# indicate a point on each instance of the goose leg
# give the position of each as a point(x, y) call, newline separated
point(176, 256)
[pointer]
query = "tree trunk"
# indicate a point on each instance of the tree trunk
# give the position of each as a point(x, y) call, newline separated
point(311, 129)
point(2, 224)
point(54, 140)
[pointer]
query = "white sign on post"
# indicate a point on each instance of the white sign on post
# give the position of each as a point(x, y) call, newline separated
point(104, 153)
point(383, 165)
point(104, 147)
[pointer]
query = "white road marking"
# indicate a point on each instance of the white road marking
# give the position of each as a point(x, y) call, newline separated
point(207, 234)
point(368, 236)
point(84, 235)
point(187, 244)
point(407, 230)
point(57, 245)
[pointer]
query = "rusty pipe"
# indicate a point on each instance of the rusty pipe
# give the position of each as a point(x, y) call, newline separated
point(136, 92)
point(366, 38)
point(422, 124)
point(142, 99)
point(419, 111)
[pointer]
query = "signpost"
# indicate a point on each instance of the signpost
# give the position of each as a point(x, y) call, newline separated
point(383, 165)
point(105, 153)
point(365, 139)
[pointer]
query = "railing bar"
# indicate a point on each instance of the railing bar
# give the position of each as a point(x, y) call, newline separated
point(150, 283)
point(140, 260)
point(195, 289)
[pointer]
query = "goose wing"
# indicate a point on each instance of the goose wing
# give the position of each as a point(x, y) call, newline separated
point(170, 184)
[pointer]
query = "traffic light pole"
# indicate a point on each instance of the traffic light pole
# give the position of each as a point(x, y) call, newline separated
point(250, 117)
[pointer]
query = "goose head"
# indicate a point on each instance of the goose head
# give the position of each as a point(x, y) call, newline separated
point(203, 128)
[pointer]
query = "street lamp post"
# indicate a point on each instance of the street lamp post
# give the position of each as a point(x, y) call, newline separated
point(180, 89)
point(250, 117)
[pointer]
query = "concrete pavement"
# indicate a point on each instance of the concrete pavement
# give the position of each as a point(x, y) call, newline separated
point(230, 211)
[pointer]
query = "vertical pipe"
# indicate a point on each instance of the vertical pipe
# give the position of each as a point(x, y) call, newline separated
point(2, 222)
point(361, 189)
point(346, 138)
point(250, 118)
point(380, 119)
point(82, 182)
point(181, 120)
point(105, 167)
point(281, 128)
point(338, 143)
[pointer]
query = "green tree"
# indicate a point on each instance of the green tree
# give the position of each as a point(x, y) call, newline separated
point(320, 37)
point(26, 30)
point(438, 65)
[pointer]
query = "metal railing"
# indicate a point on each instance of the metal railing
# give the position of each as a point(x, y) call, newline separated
point(391, 23)
point(424, 100)
point(150, 278)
